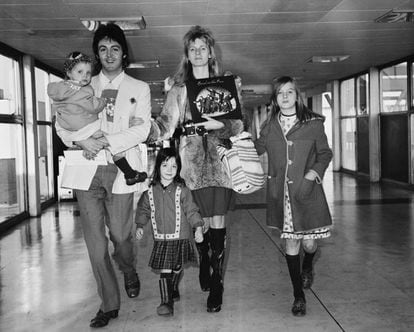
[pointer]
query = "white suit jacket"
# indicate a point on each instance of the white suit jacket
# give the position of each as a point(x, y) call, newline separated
point(133, 101)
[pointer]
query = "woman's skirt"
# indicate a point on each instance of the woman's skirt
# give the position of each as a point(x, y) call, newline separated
point(172, 254)
point(214, 201)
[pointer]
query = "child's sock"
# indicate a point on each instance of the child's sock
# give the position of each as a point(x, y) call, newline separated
point(293, 263)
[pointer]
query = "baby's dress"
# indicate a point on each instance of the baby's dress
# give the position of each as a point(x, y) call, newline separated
point(288, 232)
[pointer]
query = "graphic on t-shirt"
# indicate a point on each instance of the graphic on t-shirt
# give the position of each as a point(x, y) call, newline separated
point(110, 98)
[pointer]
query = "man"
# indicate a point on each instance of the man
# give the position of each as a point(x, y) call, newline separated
point(103, 196)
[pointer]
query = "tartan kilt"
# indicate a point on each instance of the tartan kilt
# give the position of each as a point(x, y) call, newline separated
point(172, 254)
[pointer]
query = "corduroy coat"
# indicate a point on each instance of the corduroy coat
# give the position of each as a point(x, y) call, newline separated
point(304, 148)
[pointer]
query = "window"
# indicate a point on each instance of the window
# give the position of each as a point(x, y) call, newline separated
point(12, 163)
point(394, 88)
point(44, 129)
point(348, 97)
point(362, 90)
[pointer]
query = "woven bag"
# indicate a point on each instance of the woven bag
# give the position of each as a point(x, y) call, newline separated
point(242, 164)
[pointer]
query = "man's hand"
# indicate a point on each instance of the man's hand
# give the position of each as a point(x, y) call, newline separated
point(92, 145)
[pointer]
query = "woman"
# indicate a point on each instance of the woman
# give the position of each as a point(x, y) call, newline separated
point(202, 169)
point(298, 155)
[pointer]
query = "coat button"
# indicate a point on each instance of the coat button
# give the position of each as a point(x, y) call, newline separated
point(290, 162)
point(290, 143)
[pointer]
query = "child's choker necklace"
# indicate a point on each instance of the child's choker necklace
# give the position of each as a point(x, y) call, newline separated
point(288, 115)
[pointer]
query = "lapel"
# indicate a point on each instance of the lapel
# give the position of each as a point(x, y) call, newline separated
point(121, 104)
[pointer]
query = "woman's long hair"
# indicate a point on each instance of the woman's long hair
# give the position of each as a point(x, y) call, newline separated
point(303, 113)
point(185, 68)
point(163, 155)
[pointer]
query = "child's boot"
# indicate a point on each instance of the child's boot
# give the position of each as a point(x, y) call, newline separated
point(166, 308)
point(217, 242)
point(175, 281)
point(135, 177)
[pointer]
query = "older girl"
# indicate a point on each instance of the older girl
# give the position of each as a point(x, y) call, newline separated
point(299, 154)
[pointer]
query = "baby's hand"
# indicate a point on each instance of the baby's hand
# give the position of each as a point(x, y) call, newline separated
point(198, 235)
point(139, 233)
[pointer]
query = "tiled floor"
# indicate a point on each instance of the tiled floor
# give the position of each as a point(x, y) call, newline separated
point(364, 273)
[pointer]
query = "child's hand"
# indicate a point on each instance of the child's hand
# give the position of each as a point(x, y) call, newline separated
point(139, 233)
point(198, 235)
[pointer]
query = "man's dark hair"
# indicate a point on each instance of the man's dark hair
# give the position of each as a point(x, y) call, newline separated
point(112, 32)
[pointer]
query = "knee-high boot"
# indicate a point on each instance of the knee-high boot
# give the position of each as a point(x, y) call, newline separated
point(217, 243)
point(166, 308)
point(204, 275)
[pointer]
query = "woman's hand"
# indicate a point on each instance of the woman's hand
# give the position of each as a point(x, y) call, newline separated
point(206, 225)
point(198, 235)
point(139, 233)
point(210, 124)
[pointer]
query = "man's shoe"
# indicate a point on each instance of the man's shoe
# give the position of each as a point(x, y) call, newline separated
point(102, 318)
point(138, 177)
point(299, 307)
point(307, 279)
point(132, 284)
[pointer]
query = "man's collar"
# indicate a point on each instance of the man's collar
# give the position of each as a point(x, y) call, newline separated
point(115, 82)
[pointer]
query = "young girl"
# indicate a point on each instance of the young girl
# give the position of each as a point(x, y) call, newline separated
point(169, 205)
point(299, 154)
point(77, 108)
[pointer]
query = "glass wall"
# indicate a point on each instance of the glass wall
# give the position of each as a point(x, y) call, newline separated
point(354, 112)
point(44, 128)
point(394, 88)
point(395, 123)
point(12, 162)
point(362, 90)
point(348, 125)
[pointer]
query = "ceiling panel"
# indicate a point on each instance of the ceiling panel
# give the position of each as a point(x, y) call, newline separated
point(257, 40)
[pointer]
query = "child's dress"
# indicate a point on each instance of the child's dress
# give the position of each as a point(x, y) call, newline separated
point(173, 215)
point(288, 232)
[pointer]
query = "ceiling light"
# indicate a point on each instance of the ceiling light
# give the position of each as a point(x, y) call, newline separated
point(327, 58)
point(126, 24)
point(145, 64)
point(397, 16)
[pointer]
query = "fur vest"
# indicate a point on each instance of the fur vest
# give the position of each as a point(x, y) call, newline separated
point(201, 166)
